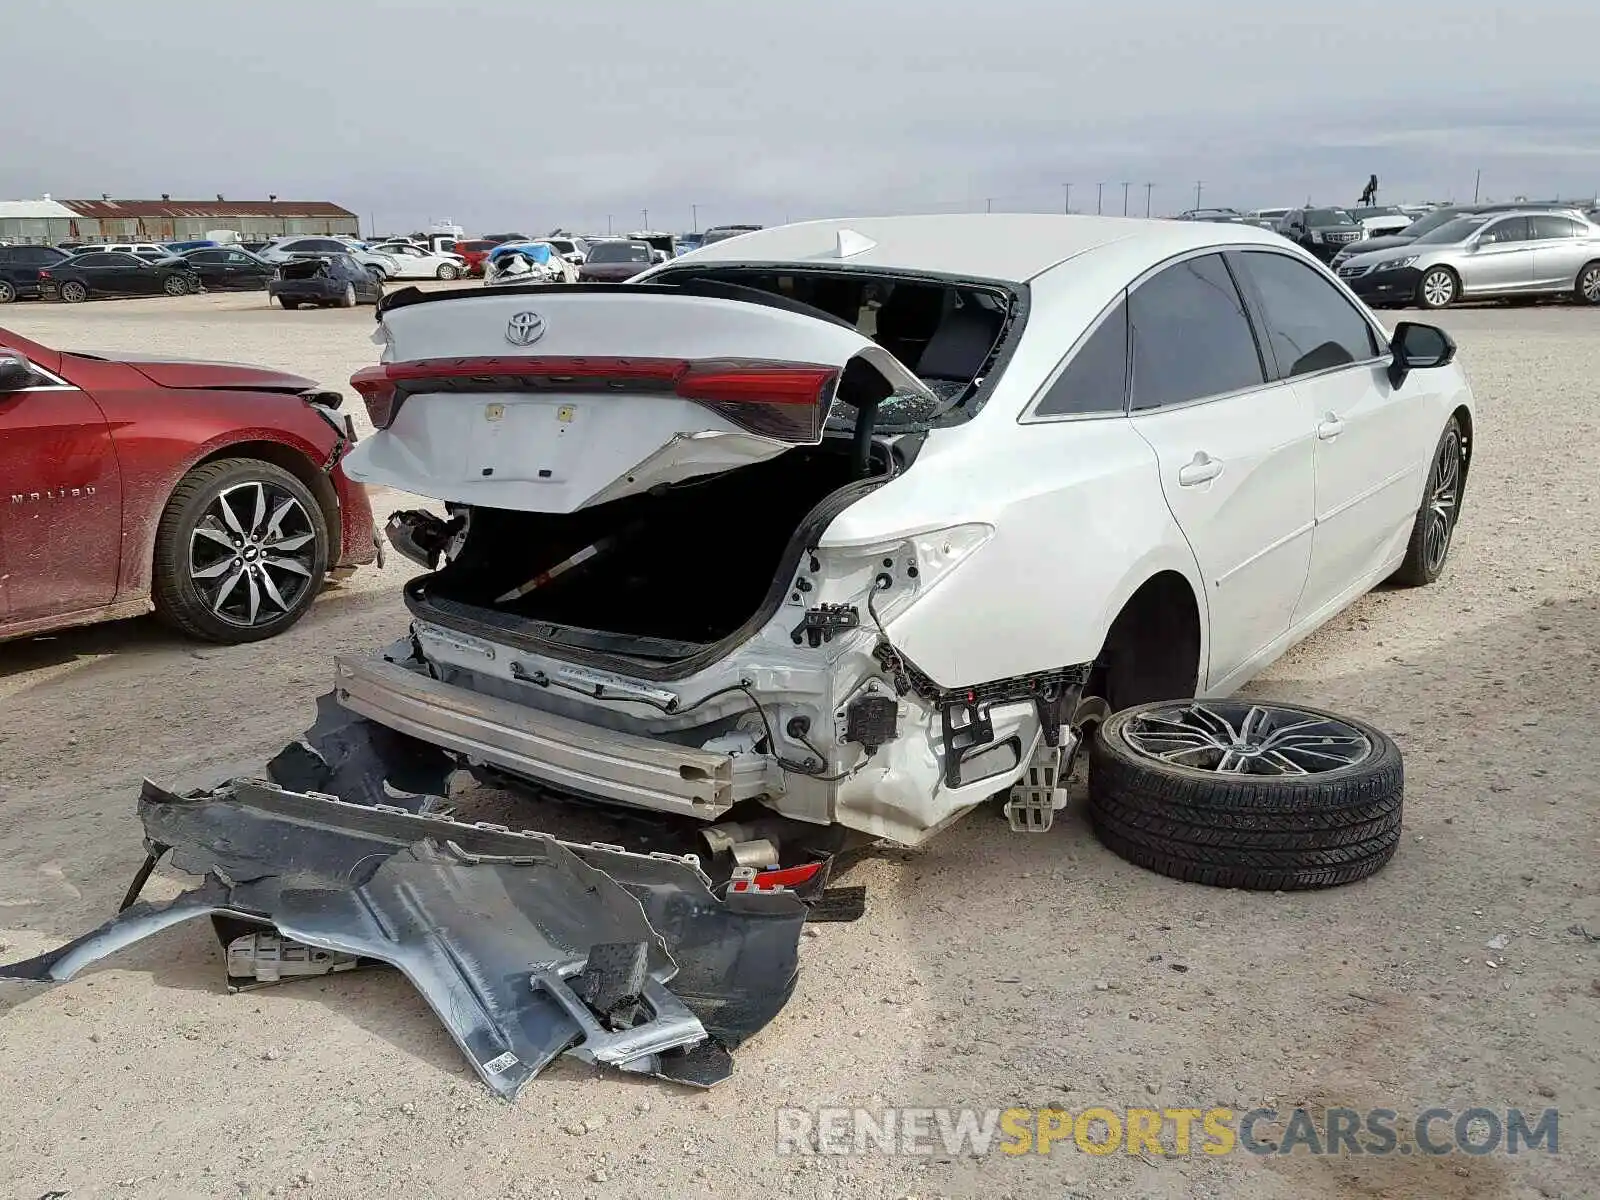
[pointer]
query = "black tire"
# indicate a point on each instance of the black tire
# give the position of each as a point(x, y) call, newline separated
point(1444, 291)
point(1587, 288)
point(177, 597)
point(74, 292)
point(347, 299)
point(1252, 831)
point(291, 305)
point(1429, 548)
point(175, 285)
point(8, 293)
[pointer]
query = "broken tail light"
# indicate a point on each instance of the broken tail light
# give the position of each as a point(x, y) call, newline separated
point(44, 273)
point(781, 400)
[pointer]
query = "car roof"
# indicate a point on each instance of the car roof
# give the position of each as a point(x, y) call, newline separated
point(1007, 247)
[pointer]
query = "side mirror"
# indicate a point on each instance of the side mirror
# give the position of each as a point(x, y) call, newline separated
point(15, 373)
point(1418, 347)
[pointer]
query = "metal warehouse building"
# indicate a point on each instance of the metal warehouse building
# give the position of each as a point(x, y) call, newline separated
point(166, 220)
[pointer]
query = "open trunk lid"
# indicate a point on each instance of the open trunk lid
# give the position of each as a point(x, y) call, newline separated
point(551, 399)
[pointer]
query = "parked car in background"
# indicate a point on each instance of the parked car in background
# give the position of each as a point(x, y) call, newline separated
point(1381, 219)
point(282, 249)
point(497, 238)
point(228, 269)
point(147, 250)
point(324, 281)
point(573, 249)
point(254, 246)
point(721, 233)
point(1436, 218)
point(528, 262)
point(1321, 231)
point(1222, 216)
point(415, 262)
point(180, 248)
point(473, 253)
point(664, 245)
point(101, 273)
point(1483, 256)
point(211, 492)
point(20, 267)
point(1135, 526)
point(614, 261)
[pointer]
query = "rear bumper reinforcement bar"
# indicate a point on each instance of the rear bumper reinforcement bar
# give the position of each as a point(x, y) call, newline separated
point(565, 754)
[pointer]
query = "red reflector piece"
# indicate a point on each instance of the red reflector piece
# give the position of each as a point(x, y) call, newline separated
point(756, 385)
point(788, 876)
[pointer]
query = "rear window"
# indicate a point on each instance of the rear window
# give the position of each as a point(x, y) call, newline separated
point(619, 252)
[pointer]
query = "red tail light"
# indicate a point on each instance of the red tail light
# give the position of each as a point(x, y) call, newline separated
point(44, 273)
point(786, 400)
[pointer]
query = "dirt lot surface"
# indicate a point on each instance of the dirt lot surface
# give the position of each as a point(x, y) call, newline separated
point(992, 969)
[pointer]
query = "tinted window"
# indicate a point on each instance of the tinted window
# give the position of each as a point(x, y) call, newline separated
point(101, 260)
point(208, 256)
point(619, 252)
point(1191, 337)
point(1329, 216)
point(1507, 229)
point(1096, 379)
point(1544, 228)
point(1309, 323)
point(317, 245)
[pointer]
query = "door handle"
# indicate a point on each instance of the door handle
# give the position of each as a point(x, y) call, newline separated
point(1199, 470)
point(1330, 427)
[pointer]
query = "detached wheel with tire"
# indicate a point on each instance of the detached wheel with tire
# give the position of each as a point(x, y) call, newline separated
point(1258, 795)
point(1435, 525)
point(241, 551)
point(1438, 288)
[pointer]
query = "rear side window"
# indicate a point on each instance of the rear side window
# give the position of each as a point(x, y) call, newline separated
point(97, 260)
point(1096, 377)
point(1190, 336)
point(1310, 326)
point(1545, 228)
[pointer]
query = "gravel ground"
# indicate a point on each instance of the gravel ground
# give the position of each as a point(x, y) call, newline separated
point(992, 969)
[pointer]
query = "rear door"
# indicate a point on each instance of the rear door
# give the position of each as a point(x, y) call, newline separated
point(1370, 439)
point(60, 500)
point(1499, 258)
point(554, 401)
point(1235, 452)
point(1560, 249)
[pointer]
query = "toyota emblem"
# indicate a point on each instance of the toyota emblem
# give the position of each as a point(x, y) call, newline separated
point(524, 329)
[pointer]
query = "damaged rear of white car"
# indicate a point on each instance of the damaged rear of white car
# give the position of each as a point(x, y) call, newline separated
point(637, 596)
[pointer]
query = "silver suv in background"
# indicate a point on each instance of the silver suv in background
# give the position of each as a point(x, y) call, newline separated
point(1483, 256)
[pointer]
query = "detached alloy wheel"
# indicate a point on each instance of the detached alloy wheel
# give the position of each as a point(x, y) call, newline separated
point(241, 552)
point(1260, 795)
point(1437, 288)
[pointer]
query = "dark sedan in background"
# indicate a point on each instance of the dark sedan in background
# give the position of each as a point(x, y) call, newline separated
point(108, 273)
point(324, 280)
point(20, 267)
point(613, 262)
point(226, 270)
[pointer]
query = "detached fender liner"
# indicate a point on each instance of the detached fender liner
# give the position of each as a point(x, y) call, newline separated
point(1252, 831)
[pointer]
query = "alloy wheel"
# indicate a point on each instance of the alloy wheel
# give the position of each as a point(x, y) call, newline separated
point(1589, 285)
point(252, 553)
point(1444, 488)
point(7, 292)
point(1228, 737)
point(175, 286)
point(1438, 289)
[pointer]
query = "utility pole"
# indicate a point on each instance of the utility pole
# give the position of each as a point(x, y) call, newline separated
point(1475, 182)
point(988, 205)
point(1099, 197)
point(1198, 185)
point(646, 213)
point(1125, 186)
point(608, 224)
point(694, 210)
point(1066, 201)
point(1148, 188)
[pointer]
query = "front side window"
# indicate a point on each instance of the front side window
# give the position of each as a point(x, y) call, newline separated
point(1096, 378)
point(1190, 336)
point(1507, 229)
point(1309, 323)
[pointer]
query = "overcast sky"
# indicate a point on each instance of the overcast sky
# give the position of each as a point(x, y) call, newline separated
point(519, 114)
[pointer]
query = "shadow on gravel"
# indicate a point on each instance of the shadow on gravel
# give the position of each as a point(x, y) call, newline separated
point(1052, 972)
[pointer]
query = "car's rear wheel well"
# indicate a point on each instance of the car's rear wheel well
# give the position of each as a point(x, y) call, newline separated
point(1463, 418)
point(1152, 649)
point(298, 465)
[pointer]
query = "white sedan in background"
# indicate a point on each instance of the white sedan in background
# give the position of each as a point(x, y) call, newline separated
point(979, 484)
point(416, 262)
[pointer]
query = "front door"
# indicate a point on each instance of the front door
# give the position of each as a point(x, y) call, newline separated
point(1500, 258)
point(60, 501)
point(1235, 453)
point(1368, 467)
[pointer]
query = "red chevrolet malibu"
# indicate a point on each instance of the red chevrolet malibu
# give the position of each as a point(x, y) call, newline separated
point(211, 492)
